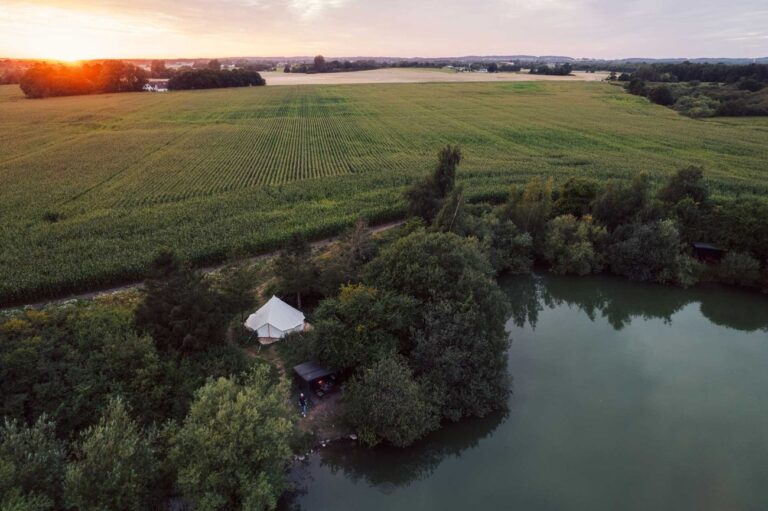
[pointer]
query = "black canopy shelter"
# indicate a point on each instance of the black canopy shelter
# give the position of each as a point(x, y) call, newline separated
point(707, 251)
point(310, 375)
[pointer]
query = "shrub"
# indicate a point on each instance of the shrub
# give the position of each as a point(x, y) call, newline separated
point(739, 269)
point(651, 252)
point(386, 403)
point(575, 246)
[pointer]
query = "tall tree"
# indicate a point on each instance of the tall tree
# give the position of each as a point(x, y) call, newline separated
point(114, 465)
point(295, 271)
point(179, 309)
point(233, 448)
point(31, 465)
point(425, 198)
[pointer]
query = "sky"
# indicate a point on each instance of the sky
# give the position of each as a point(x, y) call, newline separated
point(80, 29)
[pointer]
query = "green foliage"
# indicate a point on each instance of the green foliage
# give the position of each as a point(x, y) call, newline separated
point(361, 326)
point(739, 269)
point(532, 209)
point(661, 95)
point(180, 310)
point(430, 267)
point(66, 363)
point(294, 269)
point(576, 196)
point(459, 341)
point(233, 448)
point(575, 245)
point(697, 106)
point(114, 465)
point(461, 351)
point(685, 183)
point(651, 252)
point(741, 225)
point(342, 263)
point(507, 248)
point(425, 197)
point(386, 403)
point(31, 466)
point(621, 203)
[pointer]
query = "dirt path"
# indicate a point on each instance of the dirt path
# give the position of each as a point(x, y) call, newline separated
point(209, 269)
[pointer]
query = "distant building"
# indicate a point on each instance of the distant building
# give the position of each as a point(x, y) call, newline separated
point(707, 252)
point(156, 86)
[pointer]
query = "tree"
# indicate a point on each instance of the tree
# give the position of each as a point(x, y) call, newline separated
point(295, 271)
point(236, 289)
point(459, 342)
point(319, 63)
point(507, 248)
point(344, 260)
point(685, 183)
point(215, 65)
point(179, 309)
point(493, 67)
point(31, 465)
point(386, 403)
point(158, 69)
point(621, 203)
point(531, 210)
point(233, 448)
point(575, 245)
point(576, 196)
point(426, 197)
point(651, 252)
point(362, 325)
point(739, 269)
point(114, 465)
point(662, 95)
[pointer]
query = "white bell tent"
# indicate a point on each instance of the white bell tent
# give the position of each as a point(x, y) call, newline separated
point(275, 319)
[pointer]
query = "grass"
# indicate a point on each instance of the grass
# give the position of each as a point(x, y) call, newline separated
point(91, 187)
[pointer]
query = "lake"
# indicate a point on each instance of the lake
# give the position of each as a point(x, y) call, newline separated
point(626, 396)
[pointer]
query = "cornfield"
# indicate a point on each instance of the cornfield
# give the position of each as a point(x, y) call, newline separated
point(91, 187)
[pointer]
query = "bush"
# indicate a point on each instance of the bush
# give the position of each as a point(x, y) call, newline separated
point(234, 446)
point(575, 246)
point(651, 252)
point(662, 95)
point(386, 403)
point(697, 106)
point(114, 466)
point(31, 466)
point(739, 269)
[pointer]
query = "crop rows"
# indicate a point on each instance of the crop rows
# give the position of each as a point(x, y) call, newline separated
point(212, 172)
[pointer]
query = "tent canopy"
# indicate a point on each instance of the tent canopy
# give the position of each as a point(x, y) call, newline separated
point(310, 371)
point(275, 319)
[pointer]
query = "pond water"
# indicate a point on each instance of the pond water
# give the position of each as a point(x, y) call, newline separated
point(626, 396)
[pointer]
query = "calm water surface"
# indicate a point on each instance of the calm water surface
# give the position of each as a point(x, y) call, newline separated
point(626, 396)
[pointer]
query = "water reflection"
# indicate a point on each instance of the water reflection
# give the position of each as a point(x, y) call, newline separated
point(627, 396)
point(610, 297)
point(400, 467)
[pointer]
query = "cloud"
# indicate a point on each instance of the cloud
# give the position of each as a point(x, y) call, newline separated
point(205, 28)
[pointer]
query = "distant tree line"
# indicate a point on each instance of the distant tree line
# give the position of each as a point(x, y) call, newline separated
point(215, 79)
point(45, 80)
point(321, 65)
point(556, 70)
point(703, 90)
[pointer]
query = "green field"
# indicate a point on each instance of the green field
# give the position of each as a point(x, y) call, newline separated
point(212, 173)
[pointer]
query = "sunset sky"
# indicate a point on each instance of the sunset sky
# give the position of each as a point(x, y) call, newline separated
point(79, 29)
